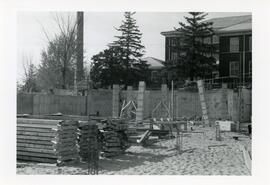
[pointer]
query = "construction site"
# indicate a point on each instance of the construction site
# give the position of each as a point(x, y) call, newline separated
point(136, 132)
point(72, 120)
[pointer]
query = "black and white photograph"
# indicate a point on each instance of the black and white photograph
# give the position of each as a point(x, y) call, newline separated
point(134, 93)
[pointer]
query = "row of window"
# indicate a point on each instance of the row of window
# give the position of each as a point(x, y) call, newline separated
point(235, 68)
point(234, 44)
point(173, 41)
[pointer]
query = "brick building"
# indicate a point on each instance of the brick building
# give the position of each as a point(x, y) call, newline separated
point(233, 43)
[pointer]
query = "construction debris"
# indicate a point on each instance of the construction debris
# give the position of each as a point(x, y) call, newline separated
point(87, 139)
point(115, 136)
point(88, 145)
point(51, 141)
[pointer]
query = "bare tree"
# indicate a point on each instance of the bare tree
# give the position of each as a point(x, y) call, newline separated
point(29, 77)
point(60, 55)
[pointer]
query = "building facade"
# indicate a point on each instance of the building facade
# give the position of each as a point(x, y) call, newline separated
point(235, 55)
point(233, 43)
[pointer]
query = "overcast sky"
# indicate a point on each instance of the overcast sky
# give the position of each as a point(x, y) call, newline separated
point(98, 32)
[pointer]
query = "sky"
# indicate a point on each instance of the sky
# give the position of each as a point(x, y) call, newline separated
point(99, 31)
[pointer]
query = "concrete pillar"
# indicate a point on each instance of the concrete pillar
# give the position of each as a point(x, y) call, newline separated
point(115, 101)
point(164, 91)
point(140, 100)
point(147, 109)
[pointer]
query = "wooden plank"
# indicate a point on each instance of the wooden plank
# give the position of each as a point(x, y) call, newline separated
point(36, 154)
point(31, 129)
point(40, 138)
point(62, 154)
point(66, 128)
point(59, 141)
point(68, 123)
point(144, 136)
point(36, 159)
point(55, 117)
point(65, 145)
point(29, 145)
point(37, 126)
point(247, 158)
point(67, 149)
point(48, 134)
point(38, 121)
point(38, 150)
point(31, 141)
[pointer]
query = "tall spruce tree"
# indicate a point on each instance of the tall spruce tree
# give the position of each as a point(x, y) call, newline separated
point(196, 46)
point(106, 68)
point(132, 49)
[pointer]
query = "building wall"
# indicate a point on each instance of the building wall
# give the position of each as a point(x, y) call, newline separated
point(225, 56)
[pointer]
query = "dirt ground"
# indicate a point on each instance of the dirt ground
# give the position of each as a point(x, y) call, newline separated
point(160, 158)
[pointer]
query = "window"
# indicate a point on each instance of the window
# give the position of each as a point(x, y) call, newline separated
point(234, 44)
point(207, 40)
point(215, 39)
point(182, 53)
point(173, 42)
point(154, 76)
point(174, 55)
point(234, 68)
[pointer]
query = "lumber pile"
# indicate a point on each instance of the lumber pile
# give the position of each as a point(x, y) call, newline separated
point(88, 141)
point(50, 141)
point(115, 139)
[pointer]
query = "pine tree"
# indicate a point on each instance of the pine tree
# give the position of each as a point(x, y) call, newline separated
point(197, 60)
point(106, 68)
point(132, 48)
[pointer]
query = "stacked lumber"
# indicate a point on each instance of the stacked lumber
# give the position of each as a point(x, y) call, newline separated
point(88, 141)
point(115, 136)
point(50, 141)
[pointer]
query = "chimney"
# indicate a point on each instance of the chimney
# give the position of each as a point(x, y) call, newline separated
point(80, 75)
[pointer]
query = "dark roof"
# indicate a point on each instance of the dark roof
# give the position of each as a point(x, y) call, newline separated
point(220, 23)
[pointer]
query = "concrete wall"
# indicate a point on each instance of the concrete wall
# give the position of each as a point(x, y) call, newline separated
point(101, 101)
point(50, 104)
point(217, 105)
point(221, 104)
point(41, 104)
point(233, 105)
point(24, 103)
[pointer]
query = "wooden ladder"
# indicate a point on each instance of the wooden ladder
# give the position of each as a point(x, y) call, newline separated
point(203, 103)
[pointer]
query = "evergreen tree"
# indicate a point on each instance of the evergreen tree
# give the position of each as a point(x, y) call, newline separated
point(106, 68)
point(132, 50)
point(196, 60)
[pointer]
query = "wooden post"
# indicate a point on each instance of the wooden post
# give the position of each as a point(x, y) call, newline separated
point(177, 139)
point(115, 101)
point(177, 106)
point(172, 102)
point(140, 100)
point(129, 93)
point(218, 137)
